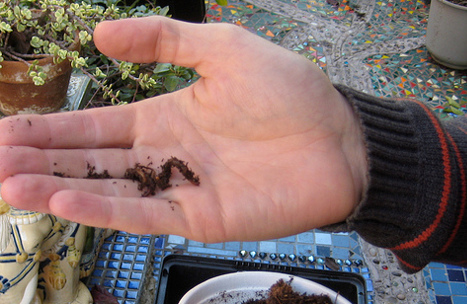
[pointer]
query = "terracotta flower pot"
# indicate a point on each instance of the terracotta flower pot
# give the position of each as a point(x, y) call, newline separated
point(446, 37)
point(19, 94)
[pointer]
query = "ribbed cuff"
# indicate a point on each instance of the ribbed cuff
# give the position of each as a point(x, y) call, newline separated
point(412, 202)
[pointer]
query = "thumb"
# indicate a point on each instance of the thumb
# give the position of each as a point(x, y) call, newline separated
point(156, 38)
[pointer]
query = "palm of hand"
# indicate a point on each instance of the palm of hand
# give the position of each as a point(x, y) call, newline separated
point(263, 128)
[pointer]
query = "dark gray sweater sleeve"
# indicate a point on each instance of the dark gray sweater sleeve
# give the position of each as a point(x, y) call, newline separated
point(415, 204)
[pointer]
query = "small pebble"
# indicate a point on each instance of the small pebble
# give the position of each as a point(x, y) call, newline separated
point(401, 296)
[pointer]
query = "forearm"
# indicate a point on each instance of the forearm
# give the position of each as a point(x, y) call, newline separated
point(416, 199)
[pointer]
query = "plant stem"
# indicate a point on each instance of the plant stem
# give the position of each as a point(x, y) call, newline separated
point(102, 87)
point(13, 56)
point(29, 56)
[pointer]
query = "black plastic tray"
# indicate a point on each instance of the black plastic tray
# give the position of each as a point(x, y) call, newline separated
point(180, 273)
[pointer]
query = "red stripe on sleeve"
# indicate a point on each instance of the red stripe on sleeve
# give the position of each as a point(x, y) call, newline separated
point(408, 265)
point(464, 196)
point(446, 187)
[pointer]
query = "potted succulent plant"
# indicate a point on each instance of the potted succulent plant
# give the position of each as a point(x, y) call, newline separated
point(41, 40)
point(37, 44)
point(446, 37)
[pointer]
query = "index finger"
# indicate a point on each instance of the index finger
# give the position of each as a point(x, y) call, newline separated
point(90, 128)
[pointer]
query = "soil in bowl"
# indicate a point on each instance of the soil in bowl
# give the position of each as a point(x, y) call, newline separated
point(282, 293)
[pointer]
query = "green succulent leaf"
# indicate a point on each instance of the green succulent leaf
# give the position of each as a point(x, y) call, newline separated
point(171, 83)
point(5, 27)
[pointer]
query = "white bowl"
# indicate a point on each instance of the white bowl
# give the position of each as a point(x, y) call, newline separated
point(242, 286)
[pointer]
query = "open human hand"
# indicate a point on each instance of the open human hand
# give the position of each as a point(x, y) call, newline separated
point(277, 149)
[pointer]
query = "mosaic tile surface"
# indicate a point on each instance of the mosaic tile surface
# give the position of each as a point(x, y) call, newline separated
point(313, 249)
point(375, 46)
point(123, 266)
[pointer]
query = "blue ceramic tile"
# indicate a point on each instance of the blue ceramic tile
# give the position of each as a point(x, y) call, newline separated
point(369, 285)
point(123, 275)
point(107, 283)
point(159, 243)
point(235, 246)
point(130, 248)
point(125, 266)
point(215, 245)
point(441, 288)
point(120, 284)
point(114, 265)
point(143, 249)
point(458, 288)
point(354, 236)
point(101, 263)
point(133, 239)
point(340, 253)
point(120, 238)
point(203, 250)
point(306, 237)
point(128, 257)
point(144, 241)
point(270, 247)
point(140, 258)
point(285, 248)
point(323, 238)
point(119, 293)
point(111, 274)
point(436, 265)
point(250, 246)
point(305, 250)
point(118, 247)
point(443, 300)
point(288, 239)
point(353, 243)
point(340, 240)
point(323, 251)
point(439, 274)
point(136, 275)
point(459, 300)
point(194, 243)
point(449, 266)
point(131, 294)
point(133, 284)
point(456, 275)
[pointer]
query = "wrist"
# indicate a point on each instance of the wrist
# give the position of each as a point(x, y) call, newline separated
point(354, 149)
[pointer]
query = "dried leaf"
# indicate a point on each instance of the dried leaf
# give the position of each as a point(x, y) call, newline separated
point(100, 295)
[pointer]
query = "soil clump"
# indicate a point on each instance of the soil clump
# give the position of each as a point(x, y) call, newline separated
point(282, 293)
point(149, 181)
